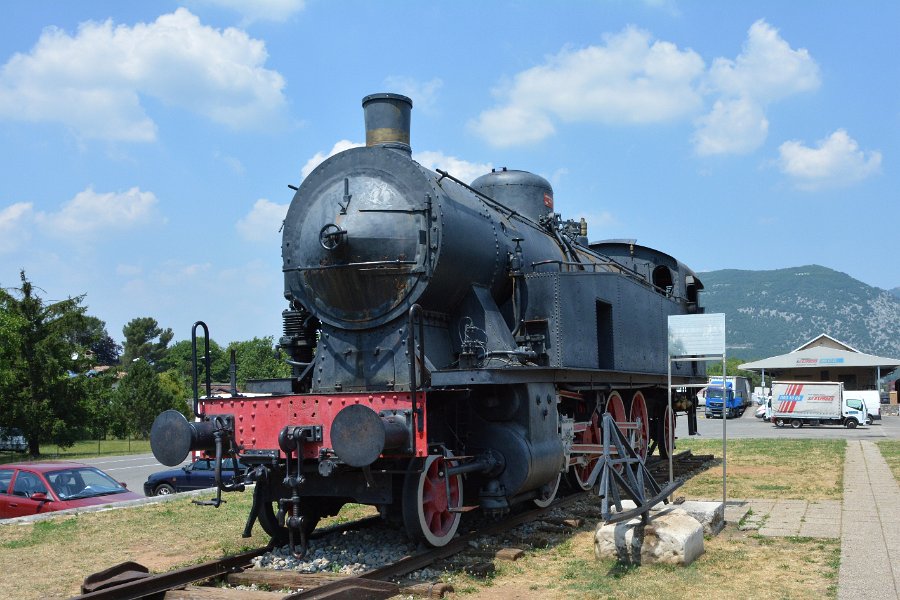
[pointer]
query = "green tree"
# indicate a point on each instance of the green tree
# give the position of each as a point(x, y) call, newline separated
point(94, 337)
point(178, 358)
point(178, 387)
point(11, 326)
point(714, 369)
point(140, 397)
point(145, 339)
point(258, 359)
point(40, 394)
point(100, 404)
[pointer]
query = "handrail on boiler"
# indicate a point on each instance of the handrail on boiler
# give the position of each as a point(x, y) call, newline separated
point(415, 311)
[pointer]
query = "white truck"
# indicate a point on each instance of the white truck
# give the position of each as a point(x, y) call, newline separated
point(872, 399)
point(799, 403)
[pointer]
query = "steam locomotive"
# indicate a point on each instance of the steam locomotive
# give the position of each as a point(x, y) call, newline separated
point(454, 346)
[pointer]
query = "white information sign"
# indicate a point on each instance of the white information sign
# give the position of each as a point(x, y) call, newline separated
point(697, 335)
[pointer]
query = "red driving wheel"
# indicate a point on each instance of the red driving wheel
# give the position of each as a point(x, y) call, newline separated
point(429, 500)
point(590, 435)
point(641, 437)
point(616, 408)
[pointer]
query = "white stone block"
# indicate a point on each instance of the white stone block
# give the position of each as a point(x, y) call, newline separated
point(672, 537)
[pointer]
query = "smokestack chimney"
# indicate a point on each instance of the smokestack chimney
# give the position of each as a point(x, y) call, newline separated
point(387, 121)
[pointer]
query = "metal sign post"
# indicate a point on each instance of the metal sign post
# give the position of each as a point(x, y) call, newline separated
point(699, 338)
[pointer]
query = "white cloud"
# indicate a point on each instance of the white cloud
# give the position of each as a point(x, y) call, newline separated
point(320, 157)
point(233, 164)
point(461, 169)
point(93, 81)
point(90, 213)
point(633, 79)
point(735, 126)
point(629, 79)
point(509, 125)
point(15, 226)
point(260, 10)
point(836, 161)
point(172, 273)
point(263, 221)
point(766, 70)
point(423, 93)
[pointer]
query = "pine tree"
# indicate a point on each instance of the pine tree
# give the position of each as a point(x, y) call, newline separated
point(41, 395)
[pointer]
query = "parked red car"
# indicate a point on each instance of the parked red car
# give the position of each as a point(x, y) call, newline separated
point(31, 488)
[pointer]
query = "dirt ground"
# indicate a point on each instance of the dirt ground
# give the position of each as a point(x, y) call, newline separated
point(735, 564)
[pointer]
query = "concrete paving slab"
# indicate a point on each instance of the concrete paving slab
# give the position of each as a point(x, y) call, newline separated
point(820, 531)
point(869, 541)
point(770, 532)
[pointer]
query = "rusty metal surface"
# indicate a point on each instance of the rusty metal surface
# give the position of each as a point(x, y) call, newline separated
point(155, 584)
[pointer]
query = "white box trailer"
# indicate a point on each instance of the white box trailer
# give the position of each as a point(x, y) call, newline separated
point(799, 403)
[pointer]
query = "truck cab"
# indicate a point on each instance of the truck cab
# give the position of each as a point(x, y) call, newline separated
point(734, 405)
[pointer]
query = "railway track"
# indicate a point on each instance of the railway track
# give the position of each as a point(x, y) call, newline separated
point(132, 581)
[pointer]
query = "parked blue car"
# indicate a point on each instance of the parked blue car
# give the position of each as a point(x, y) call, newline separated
point(198, 475)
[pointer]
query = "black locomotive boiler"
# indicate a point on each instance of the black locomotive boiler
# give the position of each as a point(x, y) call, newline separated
point(454, 346)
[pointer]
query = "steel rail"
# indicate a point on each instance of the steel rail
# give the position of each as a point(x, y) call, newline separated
point(161, 582)
point(375, 583)
point(156, 584)
point(415, 562)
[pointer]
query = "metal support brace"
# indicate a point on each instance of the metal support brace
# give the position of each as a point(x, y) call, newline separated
point(624, 469)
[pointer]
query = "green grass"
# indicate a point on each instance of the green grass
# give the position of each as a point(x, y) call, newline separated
point(890, 450)
point(83, 449)
point(42, 532)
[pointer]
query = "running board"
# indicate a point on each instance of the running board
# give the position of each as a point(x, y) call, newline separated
point(620, 466)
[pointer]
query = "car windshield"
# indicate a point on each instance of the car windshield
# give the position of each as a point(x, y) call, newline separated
point(83, 482)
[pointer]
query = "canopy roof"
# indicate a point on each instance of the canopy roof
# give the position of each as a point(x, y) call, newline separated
point(820, 356)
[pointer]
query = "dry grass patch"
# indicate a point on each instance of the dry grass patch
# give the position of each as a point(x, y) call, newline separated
point(770, 468)
point(49, 559)
point(735, 565)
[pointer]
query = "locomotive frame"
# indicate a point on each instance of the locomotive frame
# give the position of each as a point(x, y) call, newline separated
point(453, 346)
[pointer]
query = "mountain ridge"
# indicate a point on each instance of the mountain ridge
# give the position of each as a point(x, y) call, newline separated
point(768, 313)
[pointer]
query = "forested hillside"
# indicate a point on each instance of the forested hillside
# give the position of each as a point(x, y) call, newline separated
point(773, 312)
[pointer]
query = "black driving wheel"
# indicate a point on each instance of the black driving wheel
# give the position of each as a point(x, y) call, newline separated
point(796, 423)
point(268, 508)
point(163, 489)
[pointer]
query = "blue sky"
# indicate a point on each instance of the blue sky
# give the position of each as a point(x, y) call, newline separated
point(147, 147)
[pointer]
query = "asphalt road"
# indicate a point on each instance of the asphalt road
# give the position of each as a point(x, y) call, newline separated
point(132, 469)
point(748, 426)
